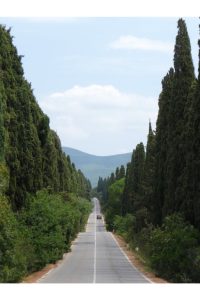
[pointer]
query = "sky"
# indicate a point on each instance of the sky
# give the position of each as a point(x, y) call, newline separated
point(99, 79)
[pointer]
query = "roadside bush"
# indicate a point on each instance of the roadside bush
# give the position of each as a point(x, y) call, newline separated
point(12, 256)
point(142, 219)
point(113, 206)
point(124, 225)
point(51, 223)
point(40, 233)
point(174, 250)
point(4, 178)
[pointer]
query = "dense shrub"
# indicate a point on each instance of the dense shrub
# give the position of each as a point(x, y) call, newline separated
point(124, 225)
point(12, 258)
point(113, 206)
point(52, 223)
point(174, 250)
point(40, 233)
point(4, 178)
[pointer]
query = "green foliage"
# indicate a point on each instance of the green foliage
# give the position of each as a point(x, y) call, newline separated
point(2, 111)
point(40, 225)
point(31, 150)
point(40, 233)
point(124, 225)
point(174, 250)
point(157, 182)
point(164, 180)
point(133, 184)
point(52, 223)
point(127, 193)
point(149, 173)
point(122, 172)
point(177, 151)
point(114, 203)
point(161, 147)
point(4, 178)
point(12, 256)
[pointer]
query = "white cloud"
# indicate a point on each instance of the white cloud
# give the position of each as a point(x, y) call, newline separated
point(100, 119)
point(136, 43)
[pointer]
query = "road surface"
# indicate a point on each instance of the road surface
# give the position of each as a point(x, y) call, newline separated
point(95, 258)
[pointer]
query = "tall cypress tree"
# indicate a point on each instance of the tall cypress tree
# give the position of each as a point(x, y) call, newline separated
point(183, 78)
point(149, 170)
point(117, 175)
point(121, 172)
point(161, 146)
point(112, 178)
point(2, 111)
point(128, 188)
point(4, 176)
point(138, 177)
point(191, 178)
point(196, 147)
point(126, 192)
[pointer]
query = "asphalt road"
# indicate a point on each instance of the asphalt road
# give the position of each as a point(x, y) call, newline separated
point(95, 258)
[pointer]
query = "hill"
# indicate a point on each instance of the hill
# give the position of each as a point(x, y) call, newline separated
point(94, 166)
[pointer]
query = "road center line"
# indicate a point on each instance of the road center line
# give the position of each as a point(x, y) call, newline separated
point(95, 244)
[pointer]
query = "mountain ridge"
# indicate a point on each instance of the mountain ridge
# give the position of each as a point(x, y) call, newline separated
point(94, 166)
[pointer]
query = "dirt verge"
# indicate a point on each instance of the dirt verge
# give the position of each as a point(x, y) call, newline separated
point(34, 277)
point(137, 261)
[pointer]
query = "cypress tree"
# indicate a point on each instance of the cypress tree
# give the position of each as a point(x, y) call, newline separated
point(126, 191)
point(183, 78)
point(149, 171)
point(191, 178)
point(131, 199)
point(161, 146)
point(112, 178)
point(2, 111)
point(117, 174)
point(128, 188)
point(121, 172)
point(138, 176)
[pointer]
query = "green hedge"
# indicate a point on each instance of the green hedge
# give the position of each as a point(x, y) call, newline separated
point(12, 256)
point(171, 250)
point(40, 233)
point(175, 254)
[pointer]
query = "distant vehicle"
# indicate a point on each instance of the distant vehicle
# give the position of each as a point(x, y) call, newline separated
point(99, 217)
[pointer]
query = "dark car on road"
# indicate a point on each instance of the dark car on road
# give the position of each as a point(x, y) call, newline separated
point(99, 217)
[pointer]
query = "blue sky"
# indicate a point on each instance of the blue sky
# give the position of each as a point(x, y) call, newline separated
point(98, 78)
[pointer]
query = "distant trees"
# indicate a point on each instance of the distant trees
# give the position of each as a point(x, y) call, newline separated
point(110, 190)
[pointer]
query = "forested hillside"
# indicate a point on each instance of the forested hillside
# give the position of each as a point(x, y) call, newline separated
point(94, 166)
point(42, 195)
point(156, 205)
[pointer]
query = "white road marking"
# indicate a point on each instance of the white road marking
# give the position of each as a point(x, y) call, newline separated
point(128, 258)
point(95, 243)
point(45, 275)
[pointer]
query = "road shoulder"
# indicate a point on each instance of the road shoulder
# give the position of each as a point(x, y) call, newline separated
point(34, 277)
point(137, 262)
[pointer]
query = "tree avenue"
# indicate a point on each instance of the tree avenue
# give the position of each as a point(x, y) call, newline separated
point(157, 209)
point(43, 198)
